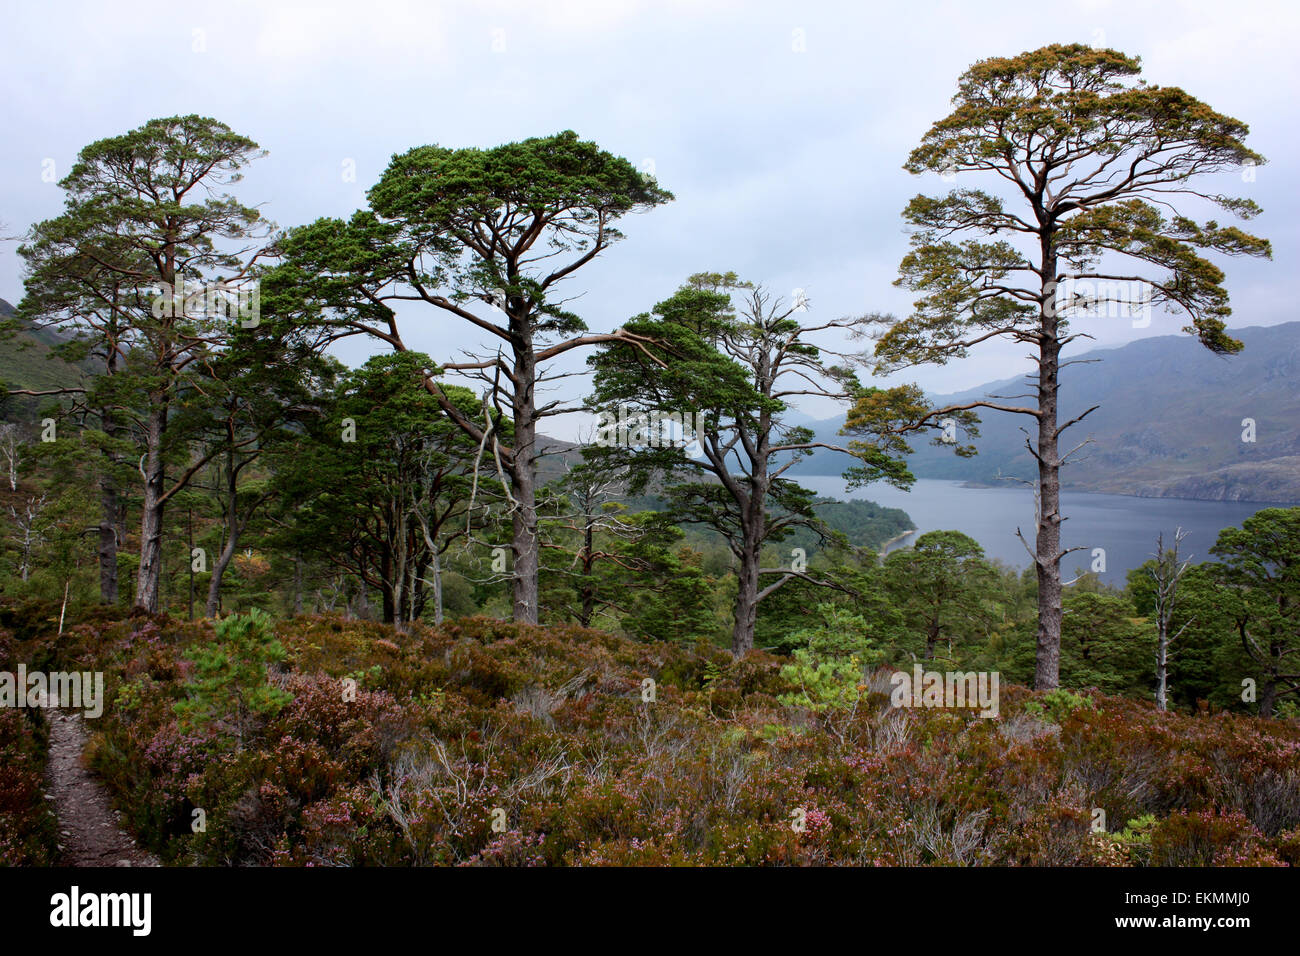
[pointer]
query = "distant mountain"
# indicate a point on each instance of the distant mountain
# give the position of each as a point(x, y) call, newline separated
point(1170, 422)
point(26, 361)
point(1169, 425)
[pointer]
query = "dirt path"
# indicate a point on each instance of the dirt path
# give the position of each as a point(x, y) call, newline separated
point(90, 832)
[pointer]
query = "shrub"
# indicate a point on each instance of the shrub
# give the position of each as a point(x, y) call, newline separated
point(28, 831)
point(829, 671)
point(548, 725)
point(1057, 705)
point(230, 686)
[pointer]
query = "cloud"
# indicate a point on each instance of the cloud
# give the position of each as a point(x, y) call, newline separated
point(786, 162)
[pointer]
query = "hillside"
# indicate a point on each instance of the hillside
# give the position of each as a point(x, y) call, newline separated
point(27, 361)
point(1170, 422)
point(552, 735)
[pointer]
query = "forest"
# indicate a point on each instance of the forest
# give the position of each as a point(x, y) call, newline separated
point(377, 615)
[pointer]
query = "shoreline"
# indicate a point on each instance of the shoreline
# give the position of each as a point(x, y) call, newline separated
point(885, 545)
point(1067, 489)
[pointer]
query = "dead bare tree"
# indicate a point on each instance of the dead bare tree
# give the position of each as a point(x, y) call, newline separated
point(1166, 574)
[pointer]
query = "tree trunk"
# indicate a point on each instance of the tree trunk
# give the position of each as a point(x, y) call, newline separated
point(415, 591)
point(1267, 697)
point(1162, 665)
point(120, 525)
point(753, 523)
point(1047, 556)
point(112, 527)
point(108, 540)
point(742, 634)
point(151, 518)
point(297, 584)
point(524, 479)
point(218, 571)
point(588, 608)
point(395, 588)
point(25, 549)
point(527, 563)
point(931, 640)
point(437, 587)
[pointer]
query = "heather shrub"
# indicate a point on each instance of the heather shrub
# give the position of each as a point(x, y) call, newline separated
point(484, 743)
point(28, 833)
point(1208, 838)
point(1288, 847)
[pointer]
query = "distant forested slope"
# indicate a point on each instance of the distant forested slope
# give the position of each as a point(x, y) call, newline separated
point(1170, 422)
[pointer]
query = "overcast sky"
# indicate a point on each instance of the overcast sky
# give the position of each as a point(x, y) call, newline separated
point(780, 127)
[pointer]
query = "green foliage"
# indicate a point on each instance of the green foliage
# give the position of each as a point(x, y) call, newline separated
point(422, 240)
point(230, 687)
point(558, 186)
point(824, 684)
point(881, 420)
point(1258, 578)
point(144, 223)
point(841, 633)
point(607, 566)
point(829, 671)
point(1135, 838)
point(1059, 108)
point(731, 354)
point(382, 474)
point(672, 600)
point(1094, 162)
point(451, 721)
point(1104, 644)
point(1057, 705)
point(943, 588)
point(864, 523)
